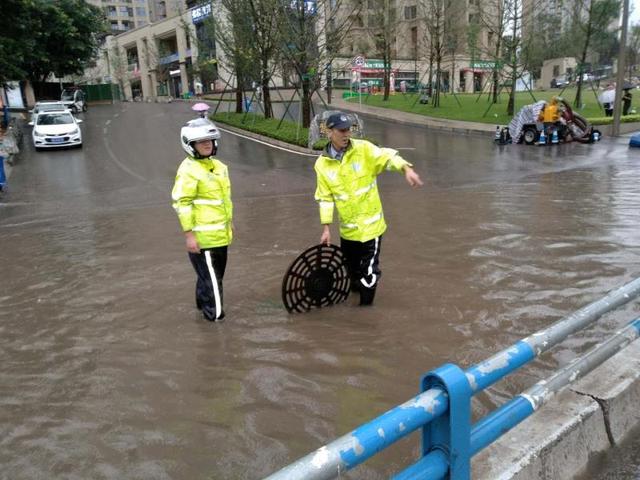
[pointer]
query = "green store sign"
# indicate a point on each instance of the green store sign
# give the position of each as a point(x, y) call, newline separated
point(374, 64)
point(485, 65)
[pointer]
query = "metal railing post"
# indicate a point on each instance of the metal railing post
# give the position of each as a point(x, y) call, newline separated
point(451, 431)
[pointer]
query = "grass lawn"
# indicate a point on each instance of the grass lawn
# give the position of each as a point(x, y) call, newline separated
point(472, 108)
point(271, 127)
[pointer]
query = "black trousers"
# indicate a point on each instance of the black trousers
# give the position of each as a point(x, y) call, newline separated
point(210, 265)
point(362, 262)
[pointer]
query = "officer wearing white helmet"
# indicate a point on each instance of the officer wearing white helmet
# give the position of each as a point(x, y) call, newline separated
point(202, 199)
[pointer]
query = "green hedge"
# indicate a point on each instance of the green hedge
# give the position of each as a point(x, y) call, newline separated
point(609, 120)
point(288, 132)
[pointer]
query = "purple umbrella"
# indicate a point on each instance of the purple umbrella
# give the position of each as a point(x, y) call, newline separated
point(200, 107)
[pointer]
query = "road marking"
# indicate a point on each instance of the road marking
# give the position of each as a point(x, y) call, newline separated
point(403, 148)
point(268, 144)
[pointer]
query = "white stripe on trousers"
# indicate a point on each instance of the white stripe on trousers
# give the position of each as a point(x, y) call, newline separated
point(370, 269)
point(214, 282)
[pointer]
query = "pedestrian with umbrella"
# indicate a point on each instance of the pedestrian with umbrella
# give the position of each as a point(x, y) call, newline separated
point(607, 99)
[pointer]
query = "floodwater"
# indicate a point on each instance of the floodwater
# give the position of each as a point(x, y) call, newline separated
point(109, 372)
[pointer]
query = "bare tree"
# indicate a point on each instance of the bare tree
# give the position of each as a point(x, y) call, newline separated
point(312, 34)
point(382, 28)
point(435, 23)
point(590, 19)
point(512, 43)
point(265, 47)
point(233, 32)
point(118, 64)
point(494, 15)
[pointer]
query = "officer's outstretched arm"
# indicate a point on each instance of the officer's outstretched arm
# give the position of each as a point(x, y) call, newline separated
point(412, 177)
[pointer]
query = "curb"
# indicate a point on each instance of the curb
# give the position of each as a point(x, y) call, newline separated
point(586, 418)
point(468, 128)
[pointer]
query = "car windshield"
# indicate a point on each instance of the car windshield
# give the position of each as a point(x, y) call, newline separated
point(49, 107)
point(67, 95)
point(55, 119)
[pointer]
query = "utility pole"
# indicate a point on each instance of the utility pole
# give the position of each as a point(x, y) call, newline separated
point(617, 105)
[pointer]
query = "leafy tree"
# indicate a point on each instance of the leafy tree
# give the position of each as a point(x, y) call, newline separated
point(66, 48)
point(18, 38)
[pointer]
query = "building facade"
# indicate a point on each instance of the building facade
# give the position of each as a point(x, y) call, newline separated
point(420, 31)
point(125, 15)
point(166, 58)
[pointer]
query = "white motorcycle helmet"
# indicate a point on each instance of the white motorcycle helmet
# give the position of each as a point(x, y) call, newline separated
point(191, 133)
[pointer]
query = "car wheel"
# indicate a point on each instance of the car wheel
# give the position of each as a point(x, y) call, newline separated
point(84, 107)
point(530, 135)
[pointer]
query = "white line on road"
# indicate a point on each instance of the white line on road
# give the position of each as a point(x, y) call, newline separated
point(404, 148)
point(268, 144)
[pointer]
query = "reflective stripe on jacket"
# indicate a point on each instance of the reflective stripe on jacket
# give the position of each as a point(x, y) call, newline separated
point(350, 185)
point(202, 199)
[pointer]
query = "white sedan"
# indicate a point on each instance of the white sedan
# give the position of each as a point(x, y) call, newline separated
point(56, 129)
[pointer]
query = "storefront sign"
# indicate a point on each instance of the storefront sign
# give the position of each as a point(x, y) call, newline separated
point(198, 14)
point(484, 65)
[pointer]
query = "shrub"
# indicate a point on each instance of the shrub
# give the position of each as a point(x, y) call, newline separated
point(288, 132)
point(609, 120)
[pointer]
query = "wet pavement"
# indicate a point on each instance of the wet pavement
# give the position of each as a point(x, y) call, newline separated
point(109, 372)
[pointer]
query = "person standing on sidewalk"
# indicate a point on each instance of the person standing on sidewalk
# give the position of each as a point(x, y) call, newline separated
point(346, 179)
point(202, 199)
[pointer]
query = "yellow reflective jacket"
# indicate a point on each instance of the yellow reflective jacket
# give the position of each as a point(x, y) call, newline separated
point(350, 185)
point(202, 199)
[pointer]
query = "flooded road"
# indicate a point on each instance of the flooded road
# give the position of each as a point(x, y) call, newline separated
point(109, 372)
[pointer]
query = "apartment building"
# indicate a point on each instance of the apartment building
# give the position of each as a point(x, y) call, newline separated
point(465, 65)
point(162, 58)
point(125, 15)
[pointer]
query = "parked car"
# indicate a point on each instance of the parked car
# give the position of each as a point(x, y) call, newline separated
point(559, 82)
point(74, 99)
point(56, 129)
point(47, 106)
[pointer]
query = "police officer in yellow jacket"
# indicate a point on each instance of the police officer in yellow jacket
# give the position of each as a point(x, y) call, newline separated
point(202, 199)
point(346, 179)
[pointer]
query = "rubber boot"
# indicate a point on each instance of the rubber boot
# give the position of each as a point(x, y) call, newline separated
point(366, 296)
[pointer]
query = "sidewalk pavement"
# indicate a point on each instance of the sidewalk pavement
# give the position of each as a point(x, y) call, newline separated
point(406, 118)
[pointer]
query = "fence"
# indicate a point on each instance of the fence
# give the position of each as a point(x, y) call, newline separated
point(443, 409)
point(101, 92)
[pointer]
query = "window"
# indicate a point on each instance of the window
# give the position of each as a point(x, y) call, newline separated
point(473, 19)
point(414, 39)
point(556, 70)
point(141, 12)
point(410, 13)
point(489, 38)
point(357, 22)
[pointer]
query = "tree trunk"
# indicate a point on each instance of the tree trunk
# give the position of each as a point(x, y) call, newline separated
point(583, 57)
point(495, 72)
point(436, 95)
point(511, 106)
point(266, 95)
point(306, 102)
point(238, 96)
